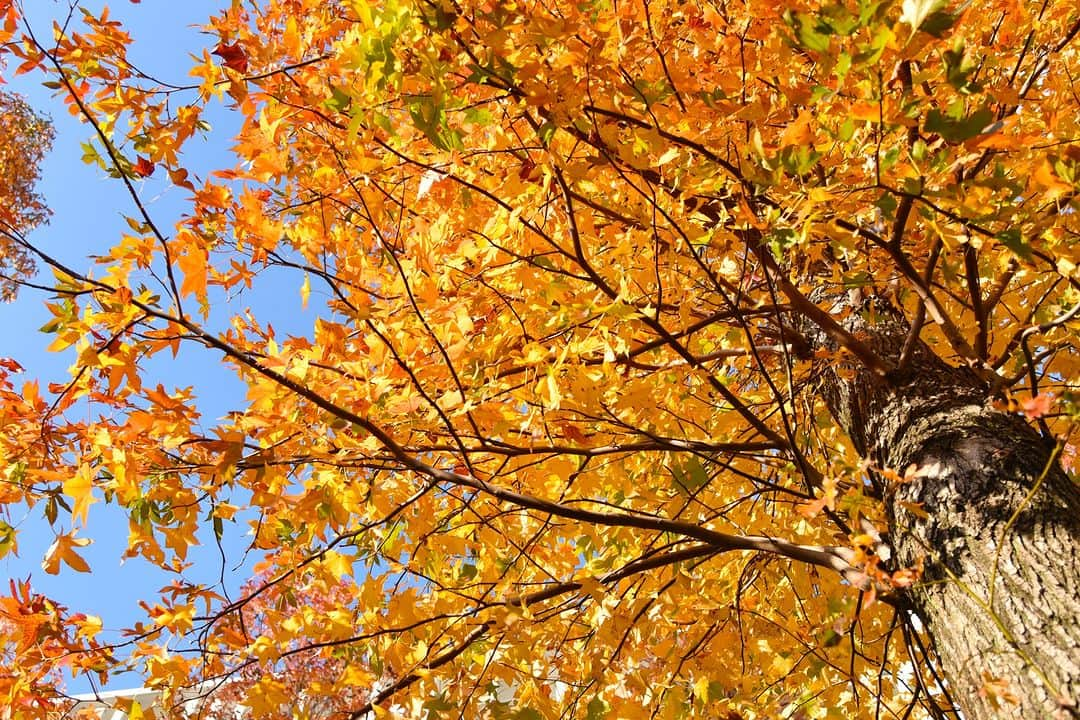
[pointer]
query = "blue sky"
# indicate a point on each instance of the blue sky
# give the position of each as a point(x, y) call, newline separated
point(88, 217)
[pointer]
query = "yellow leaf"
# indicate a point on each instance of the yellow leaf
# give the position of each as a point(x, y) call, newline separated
point(701, 689)
point(81, 489)
point(865, 111)
point(178, 618)
point(88, 627)
point(363, 11)
point(339, 565)
point(305, 291)
point(266, 696)
point(63, 549)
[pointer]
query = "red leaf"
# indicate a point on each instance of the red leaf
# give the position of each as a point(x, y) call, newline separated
point(571, 432)
point(527, 166)
point(233, 56)
point(143, 167)
point(10, 365)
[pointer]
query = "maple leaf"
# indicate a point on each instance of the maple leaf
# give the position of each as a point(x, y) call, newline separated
point(10, 364)
point(80, 487)
point(63, 549)
point(233, 56)
point(143, 167)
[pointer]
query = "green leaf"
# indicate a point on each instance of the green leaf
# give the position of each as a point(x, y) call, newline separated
point(1014, 240)
point(958, 130)
point(717, 691)
point(847, 130)
point(831, 638)
point(339, 100)
point(871, 10)
point(858, 279)
point(7, 538)
point(691, 476)
point(429, 117)
point(547, 131)
point(837, 19)
point(938, 23)
point(869, 53)
point(91, 156)
point(437, 705)
point(780, 239)
point(798, 159)
point(959, 68)
point(597, 709)
point(810, 33)
point(887, 204)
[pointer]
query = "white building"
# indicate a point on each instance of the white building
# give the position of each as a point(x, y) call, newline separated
point(112, 704)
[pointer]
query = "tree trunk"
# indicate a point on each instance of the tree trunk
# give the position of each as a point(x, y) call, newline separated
point(1000, 592)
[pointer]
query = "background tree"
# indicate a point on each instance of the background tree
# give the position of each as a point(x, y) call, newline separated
point(25, 137)
point(297, 682)
point(673, 359)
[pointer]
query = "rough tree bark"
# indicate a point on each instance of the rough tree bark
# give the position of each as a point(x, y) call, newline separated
point(1000, 593)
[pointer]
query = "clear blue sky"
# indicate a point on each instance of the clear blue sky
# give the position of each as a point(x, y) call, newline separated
point(88, 210)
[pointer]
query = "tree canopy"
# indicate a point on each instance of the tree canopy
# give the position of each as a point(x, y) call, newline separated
point(25, 137)
point(606, 295)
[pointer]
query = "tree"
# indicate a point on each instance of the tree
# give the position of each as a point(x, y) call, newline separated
point(25, 137)
point(296, 682)
point(670, 359)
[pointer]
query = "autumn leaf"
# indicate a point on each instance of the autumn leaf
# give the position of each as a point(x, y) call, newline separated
point(26, 137)
point(572, 432)
point(143, 167)
point(233, 56)
point(180, 178)
point(64, 549)
point(305, 291)
point(80, 488)
point(88, 626)
point(799, 132)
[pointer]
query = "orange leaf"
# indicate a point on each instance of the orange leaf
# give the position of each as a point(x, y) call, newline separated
point(798, 132)
point(63, 548)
